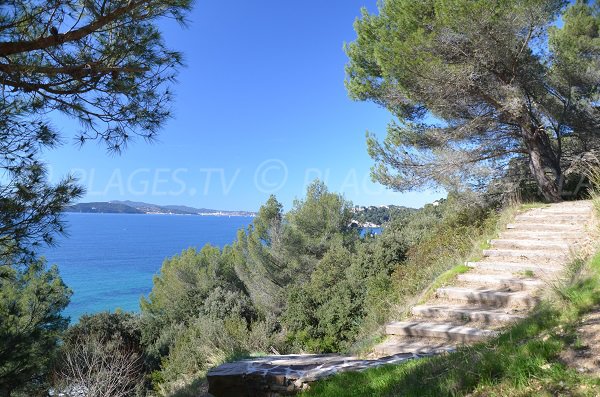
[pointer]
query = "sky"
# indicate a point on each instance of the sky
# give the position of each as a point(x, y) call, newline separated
point(260, 109)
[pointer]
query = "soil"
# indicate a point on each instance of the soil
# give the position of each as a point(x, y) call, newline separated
point(584, 354)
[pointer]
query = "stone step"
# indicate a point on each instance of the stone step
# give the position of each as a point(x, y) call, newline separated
point(487, 297)
point(285, 375)
point(530, 244)
point(566, 236)
point(546, 255)
point(501, 281)
point(577, 215)
point(538, 227)
point(515, 267)
point(400, 345)
point(563, 212)
point(465, 313)
point(552, 218)
point(447, 331)
point(583, 207)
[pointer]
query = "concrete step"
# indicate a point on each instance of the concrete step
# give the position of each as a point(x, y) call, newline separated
point(559, 236)
point(487, 296)
point(530, 244)
point(465, 313)
point(539, 227)
point(524, 254)
point(398, 345)
point(447, 331)
point(501, 281)
point(516, 267)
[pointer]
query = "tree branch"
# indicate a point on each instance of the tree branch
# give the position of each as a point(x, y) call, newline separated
point(75, 70)
point(11, 48)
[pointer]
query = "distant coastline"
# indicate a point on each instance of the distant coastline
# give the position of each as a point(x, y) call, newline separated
point(134, 207)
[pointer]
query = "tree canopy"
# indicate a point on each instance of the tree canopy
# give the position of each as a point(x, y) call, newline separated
point(101, 62)
point(278, 250)
point(479, 88)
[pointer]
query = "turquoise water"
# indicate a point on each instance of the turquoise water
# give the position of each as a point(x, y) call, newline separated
point(108, 260)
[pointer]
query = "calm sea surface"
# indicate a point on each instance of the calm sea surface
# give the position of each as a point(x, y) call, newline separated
point(108, 260)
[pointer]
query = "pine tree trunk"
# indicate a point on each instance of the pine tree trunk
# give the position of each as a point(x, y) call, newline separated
point(544, 164)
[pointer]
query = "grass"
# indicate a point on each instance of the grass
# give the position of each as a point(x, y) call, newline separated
point(526, 273)
point(444, 279)
point(523, 361)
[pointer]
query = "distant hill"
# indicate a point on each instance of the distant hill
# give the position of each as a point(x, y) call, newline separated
point(104, 208)
point(138, 207)
point(148, 208)
point(190, 210)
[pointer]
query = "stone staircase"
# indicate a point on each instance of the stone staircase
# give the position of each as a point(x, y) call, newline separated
point(498, 290)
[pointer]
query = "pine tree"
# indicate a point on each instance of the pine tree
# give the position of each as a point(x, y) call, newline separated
point(477, 91)
point(100, 62)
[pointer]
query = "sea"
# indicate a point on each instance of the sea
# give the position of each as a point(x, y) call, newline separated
point(109, 260)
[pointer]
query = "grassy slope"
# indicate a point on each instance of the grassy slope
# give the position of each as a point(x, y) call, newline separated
point(524, 361)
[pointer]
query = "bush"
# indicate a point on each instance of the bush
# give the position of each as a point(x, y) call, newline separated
point(98, 367)
point(31, 301)
point(321, 314)
point(104, 355)
point(205, 343)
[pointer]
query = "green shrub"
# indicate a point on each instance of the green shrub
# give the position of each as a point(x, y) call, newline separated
point(31, 301)
point(207, 342)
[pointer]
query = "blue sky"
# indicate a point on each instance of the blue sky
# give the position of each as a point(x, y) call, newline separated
point(261, 109)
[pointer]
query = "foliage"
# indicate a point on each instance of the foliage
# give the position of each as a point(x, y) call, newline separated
point(478, 94)
point(120, 327)
point(208, 342)
point(353, 290)
point(31, 301)
point(262, 260)
point(185, 282)
point(316, 223)
point(380, 215)
point(279, 250)
point(322, 313)
point(189, 285)
point(523, 361)
point(103, 63)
